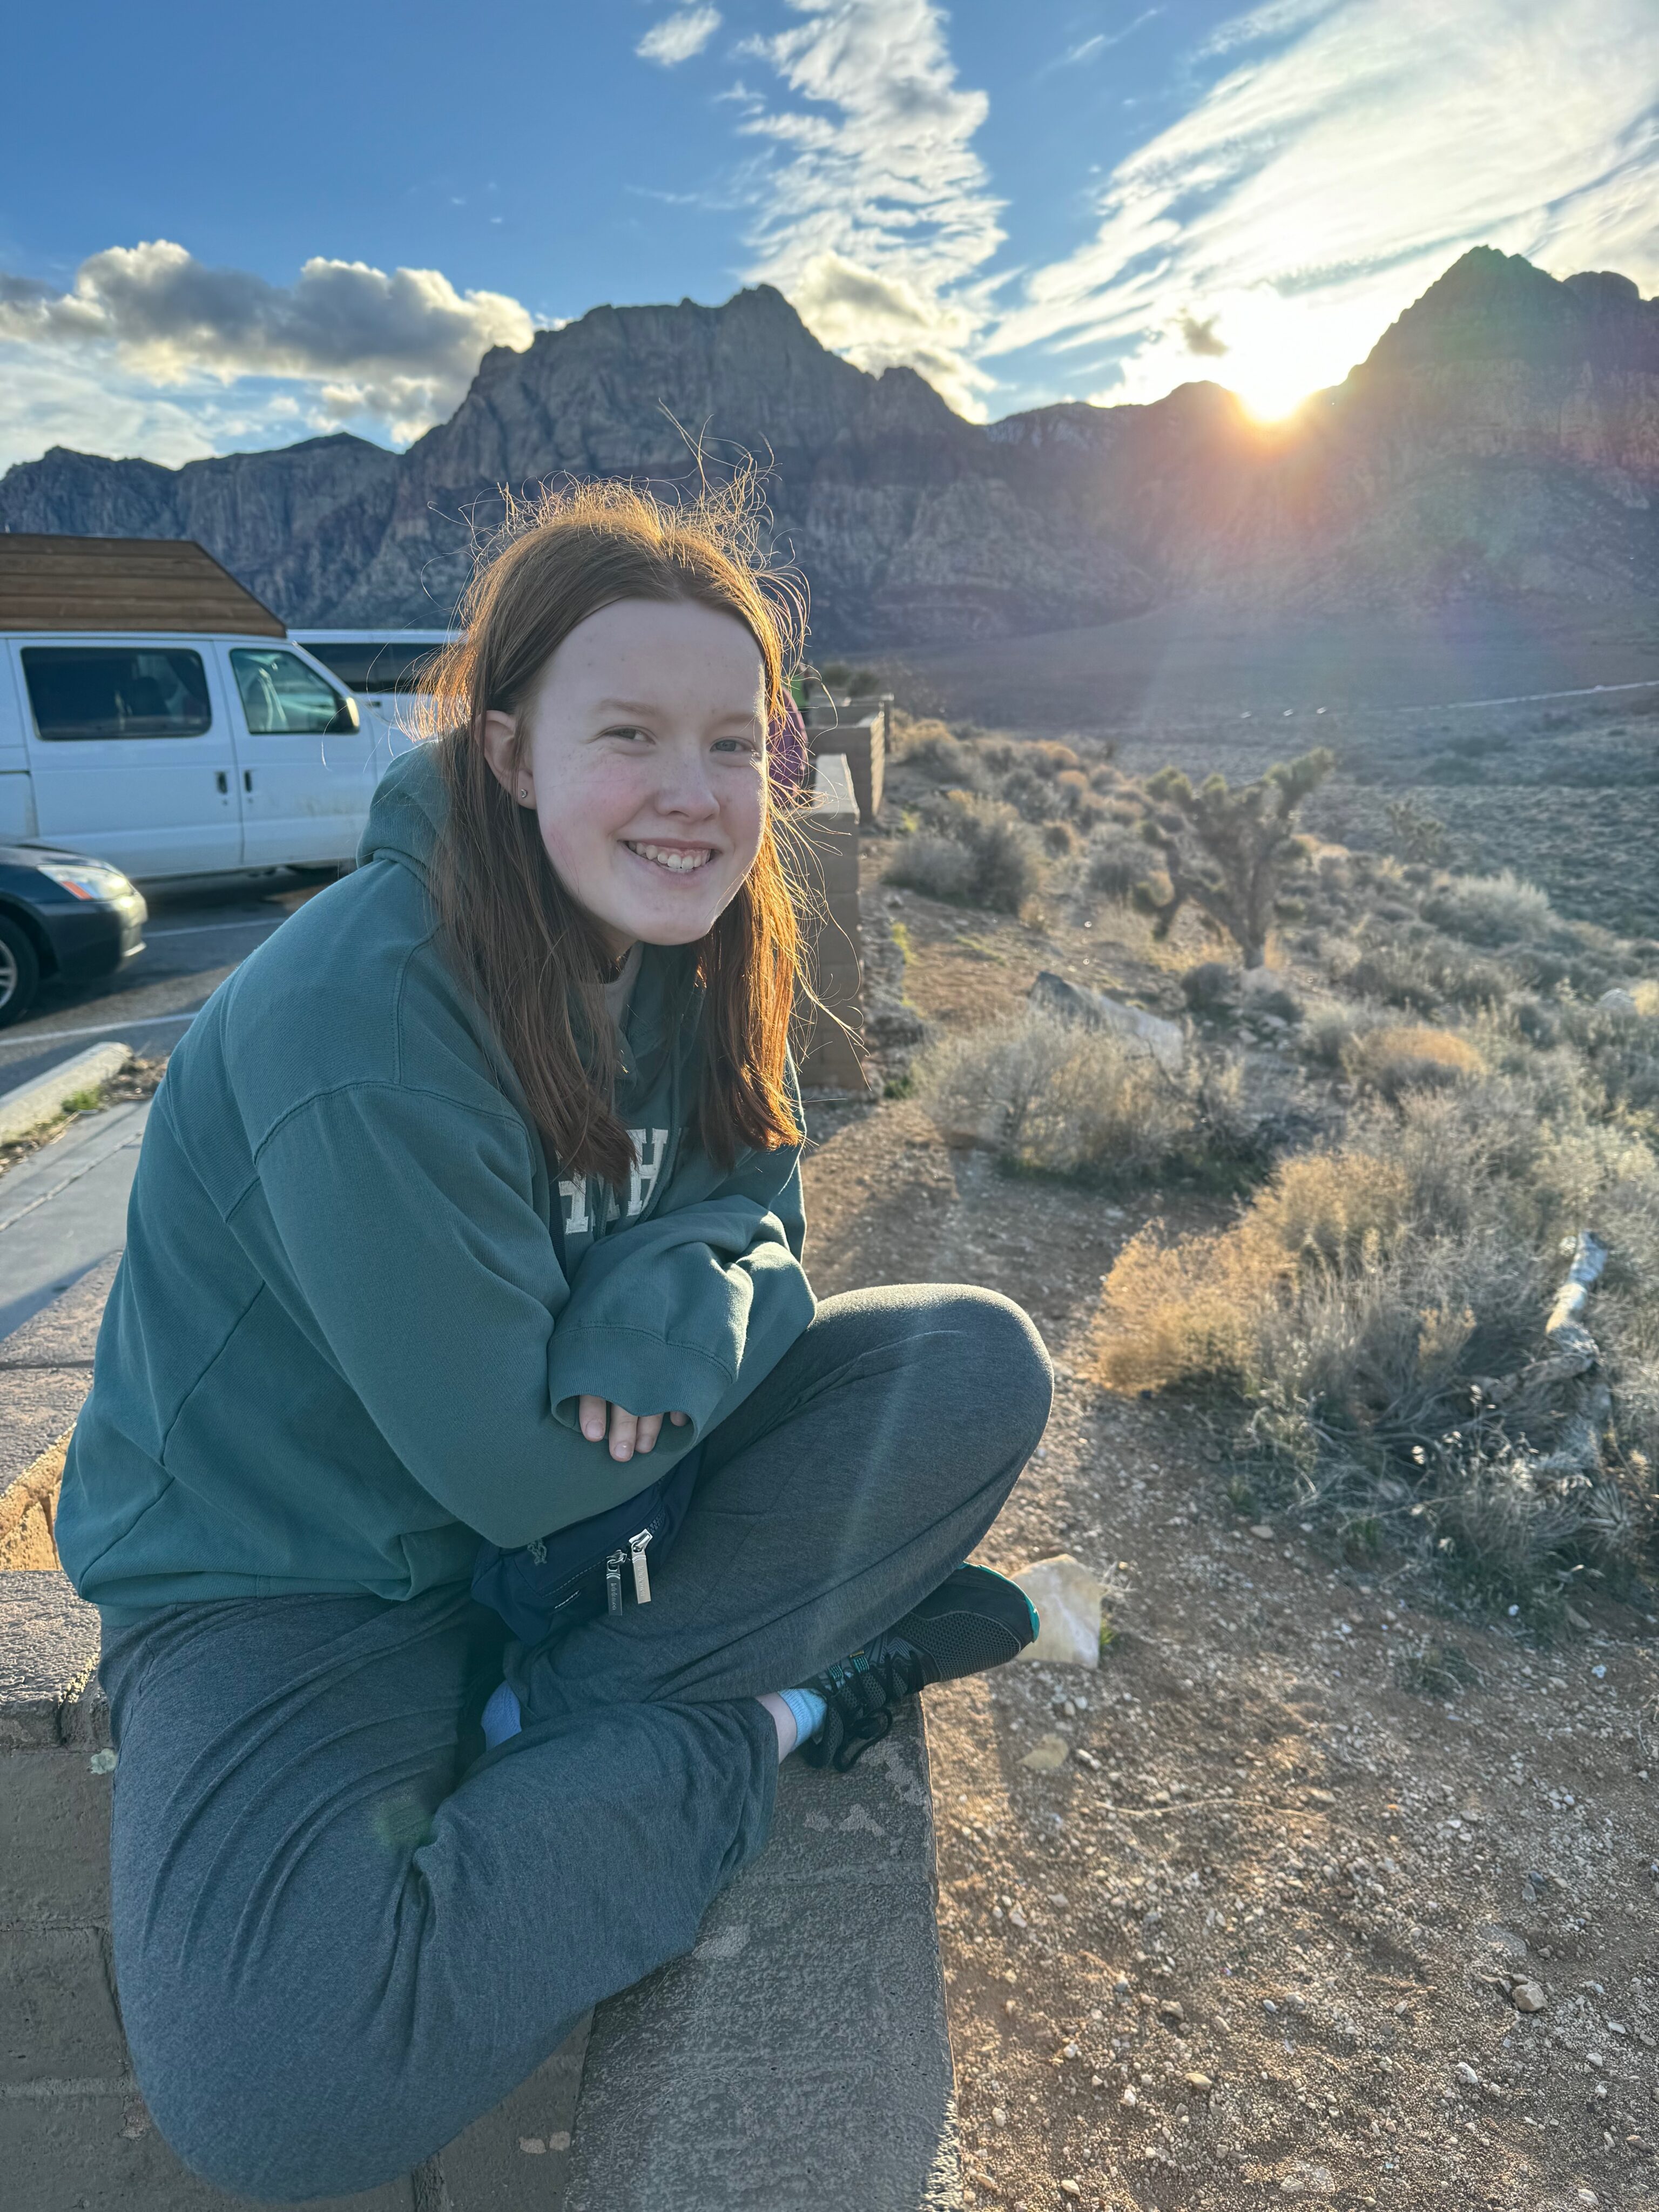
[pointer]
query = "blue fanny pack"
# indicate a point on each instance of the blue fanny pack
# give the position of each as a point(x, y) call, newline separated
point(592, 1567)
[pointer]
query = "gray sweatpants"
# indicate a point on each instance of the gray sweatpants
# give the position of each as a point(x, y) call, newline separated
point(339, 1939)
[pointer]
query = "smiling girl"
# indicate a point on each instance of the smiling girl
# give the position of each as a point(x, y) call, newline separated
point(467, 1235)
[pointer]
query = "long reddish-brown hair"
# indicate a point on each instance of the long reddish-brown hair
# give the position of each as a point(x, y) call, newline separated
point(521, 942)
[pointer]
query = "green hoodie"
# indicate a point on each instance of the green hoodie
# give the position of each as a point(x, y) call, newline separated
point(340, 1347)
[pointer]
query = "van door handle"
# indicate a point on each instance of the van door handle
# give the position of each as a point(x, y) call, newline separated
point(223, 783)
point(247, 779)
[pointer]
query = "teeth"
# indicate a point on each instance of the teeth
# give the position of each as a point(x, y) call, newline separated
point(677, 864)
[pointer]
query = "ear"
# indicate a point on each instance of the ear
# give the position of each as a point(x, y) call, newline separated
point(500, 750)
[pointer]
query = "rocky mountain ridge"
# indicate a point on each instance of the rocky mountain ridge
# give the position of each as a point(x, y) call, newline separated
point(1501, 441)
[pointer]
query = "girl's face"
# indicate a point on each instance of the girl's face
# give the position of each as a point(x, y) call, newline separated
point(643, 753)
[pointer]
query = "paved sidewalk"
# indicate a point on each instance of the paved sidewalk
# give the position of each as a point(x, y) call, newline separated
point(65, 1208)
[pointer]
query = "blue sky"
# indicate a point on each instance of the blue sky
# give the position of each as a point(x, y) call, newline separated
point(224, 227)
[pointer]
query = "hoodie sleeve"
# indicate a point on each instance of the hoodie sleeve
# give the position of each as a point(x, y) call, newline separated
point(403, 1238)
point(702, 1299)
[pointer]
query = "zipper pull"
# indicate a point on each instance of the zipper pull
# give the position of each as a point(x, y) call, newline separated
point(613, 1567)
point(642, 1575)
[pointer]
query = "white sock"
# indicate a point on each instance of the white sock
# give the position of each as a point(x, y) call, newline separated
point(797, 1714)
point(502, 1716)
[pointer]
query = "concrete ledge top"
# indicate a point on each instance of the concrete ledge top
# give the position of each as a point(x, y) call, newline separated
point(49, 1643)
point(798, 2059)
point(832, 789)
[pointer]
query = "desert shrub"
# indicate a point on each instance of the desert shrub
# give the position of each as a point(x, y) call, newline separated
point(1329, 1033)
point(864, 684)
point(1059, 840)
point(999, 753)
point(1117, 864)
point(931, 749)
point(1073, 788)
point(1047, 756)
point(975, 850)
point(1052, 1096)
point(1105, 777)
point(835, 673)
point(1037, 799)
point(1497, 909)
point(1393, 1059)
point(1353, 1317)
point(1211, 987)
point(938, 867)
point(1420, 974)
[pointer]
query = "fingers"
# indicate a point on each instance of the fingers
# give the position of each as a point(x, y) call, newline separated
point(624, 1428)
point(650, 1427)
point(628, 1432)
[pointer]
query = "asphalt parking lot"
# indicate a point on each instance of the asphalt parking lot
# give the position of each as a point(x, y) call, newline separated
point(198, 932)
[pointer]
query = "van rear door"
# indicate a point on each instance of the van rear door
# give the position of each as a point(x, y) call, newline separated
point(128, 746)
point(305, 762)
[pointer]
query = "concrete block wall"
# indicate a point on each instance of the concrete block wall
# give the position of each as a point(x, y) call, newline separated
point(863, 743)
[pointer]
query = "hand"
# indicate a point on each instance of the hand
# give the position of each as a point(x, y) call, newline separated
point(629, 1432)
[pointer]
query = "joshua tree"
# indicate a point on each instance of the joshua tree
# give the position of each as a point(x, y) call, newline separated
point(1225, 852)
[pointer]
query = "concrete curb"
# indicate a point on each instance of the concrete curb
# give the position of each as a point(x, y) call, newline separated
point(798, 2059)
point(32, 1105)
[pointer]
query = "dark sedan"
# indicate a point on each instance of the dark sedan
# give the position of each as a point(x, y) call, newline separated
point(63, 916)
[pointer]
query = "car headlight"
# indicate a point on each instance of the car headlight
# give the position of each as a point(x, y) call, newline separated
point(90, 880)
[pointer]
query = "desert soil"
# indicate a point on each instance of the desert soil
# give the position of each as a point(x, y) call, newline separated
point(1239, 1916)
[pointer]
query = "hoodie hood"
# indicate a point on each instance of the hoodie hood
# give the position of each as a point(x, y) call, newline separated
point(407, 813)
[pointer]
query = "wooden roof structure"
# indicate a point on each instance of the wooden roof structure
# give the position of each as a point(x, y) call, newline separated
point(123, 583)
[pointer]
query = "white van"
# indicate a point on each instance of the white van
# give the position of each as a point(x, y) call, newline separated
point(172, 754)
point(157, 715)
point(385, 669)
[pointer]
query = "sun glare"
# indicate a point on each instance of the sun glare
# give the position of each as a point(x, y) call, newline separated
point(1270, 390)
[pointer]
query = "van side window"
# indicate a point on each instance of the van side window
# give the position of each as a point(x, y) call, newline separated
point(281, 694)
point(108, 691)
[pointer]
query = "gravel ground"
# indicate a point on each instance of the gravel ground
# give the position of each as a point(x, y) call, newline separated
point(1259, 1909)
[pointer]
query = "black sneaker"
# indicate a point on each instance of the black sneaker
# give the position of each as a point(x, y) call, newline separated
point(975, 1620)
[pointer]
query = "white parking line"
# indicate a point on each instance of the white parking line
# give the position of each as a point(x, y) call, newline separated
point(212, 928)
point(99, 1029)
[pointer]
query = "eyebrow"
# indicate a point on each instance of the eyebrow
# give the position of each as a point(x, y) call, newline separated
point(648, 708)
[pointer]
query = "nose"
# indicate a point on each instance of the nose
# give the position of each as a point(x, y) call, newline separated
point(685, 791)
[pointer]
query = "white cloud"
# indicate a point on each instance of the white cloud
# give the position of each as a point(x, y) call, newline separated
point(676, 38)
point(879, 216)
point(398, 349)
point(1354, 148)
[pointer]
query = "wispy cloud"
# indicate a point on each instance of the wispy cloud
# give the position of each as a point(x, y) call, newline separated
point(1100, 42)
point(879, 216)
point(1351, 150)
point(398, 349)
point(676, 38)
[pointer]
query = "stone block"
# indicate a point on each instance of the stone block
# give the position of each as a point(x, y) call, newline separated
point(54, 1837)
point(57, 2018)
point(89, 2146)
point(1067, 1599)
point(798, 2059)
point(516, 2159)
point(49, 1641)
